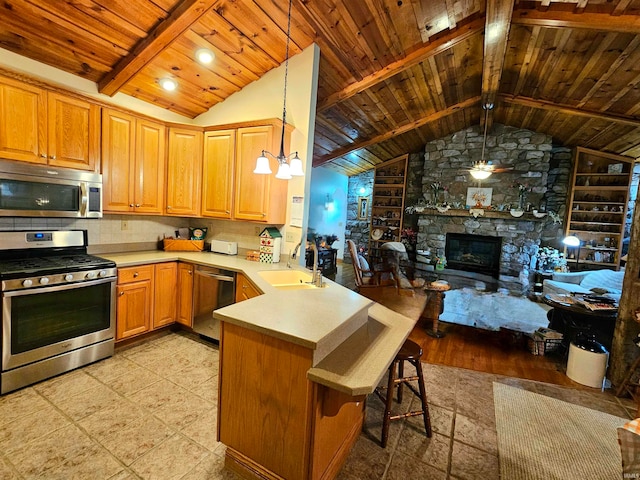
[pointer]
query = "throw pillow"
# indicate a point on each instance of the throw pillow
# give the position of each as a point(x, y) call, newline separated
point(364, 265)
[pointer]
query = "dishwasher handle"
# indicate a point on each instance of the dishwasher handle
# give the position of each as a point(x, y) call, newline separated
point(223, 278)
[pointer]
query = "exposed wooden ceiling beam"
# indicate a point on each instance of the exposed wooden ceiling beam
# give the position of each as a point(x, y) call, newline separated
point(563, 19)
point(498, 23)
point(181, 18)
point(396, 131)
point(568, 110)
point(439, 45)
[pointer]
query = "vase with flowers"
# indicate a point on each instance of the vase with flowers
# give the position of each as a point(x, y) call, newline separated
point(437, 189)
point(551, 260)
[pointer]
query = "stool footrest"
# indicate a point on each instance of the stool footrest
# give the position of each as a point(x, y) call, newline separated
point(405, 415)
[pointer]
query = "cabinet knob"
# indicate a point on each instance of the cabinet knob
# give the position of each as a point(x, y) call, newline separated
point(190, 272)
point(43, 155)
point(135, 275)
point(264, 214)
point(52, 157)
point(131, 205)
point(168, 207)
point(226, 211)
point(121, 292)
point(137, 205)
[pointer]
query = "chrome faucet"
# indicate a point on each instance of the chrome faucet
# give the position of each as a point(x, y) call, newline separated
point(316, 278)
point(294, 254)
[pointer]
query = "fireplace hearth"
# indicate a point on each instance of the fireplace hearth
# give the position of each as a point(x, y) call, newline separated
point(474, 253)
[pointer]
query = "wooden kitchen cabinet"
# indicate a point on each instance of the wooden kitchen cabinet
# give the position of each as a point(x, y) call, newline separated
point(133, 164)
point(134, 307)
point(165, 294)
point(244, 289)
point(185, 294)
point(184, 171)
point(259, 198)
point(39, 126)
point(218, 174)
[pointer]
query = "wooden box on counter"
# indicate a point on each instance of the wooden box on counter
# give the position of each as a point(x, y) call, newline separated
point(182, 245)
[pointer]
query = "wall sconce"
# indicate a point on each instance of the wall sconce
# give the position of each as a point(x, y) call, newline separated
point(329, 205)
point(362, 191)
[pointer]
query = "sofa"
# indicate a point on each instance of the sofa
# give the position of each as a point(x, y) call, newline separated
point(606, 282)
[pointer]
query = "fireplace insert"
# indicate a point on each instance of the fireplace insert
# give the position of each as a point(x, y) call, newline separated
point(474, 253)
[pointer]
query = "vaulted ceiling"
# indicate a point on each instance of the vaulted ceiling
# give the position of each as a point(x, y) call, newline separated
point(394, 74)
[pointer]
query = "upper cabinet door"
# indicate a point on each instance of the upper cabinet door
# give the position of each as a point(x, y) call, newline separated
point(258, 197)
point(23, 122)
point(118, 143)
point(149, 172)
point(217, 173)
point(73, 133)
point(184, 170)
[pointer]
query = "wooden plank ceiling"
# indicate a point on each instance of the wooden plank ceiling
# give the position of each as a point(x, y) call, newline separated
point(394, 74)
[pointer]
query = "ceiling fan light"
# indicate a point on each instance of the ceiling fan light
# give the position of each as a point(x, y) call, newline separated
point(296, 166)
point(480, 174)
point(205, 56)
point(168, 84)
point(262, 166)
point(284, 172)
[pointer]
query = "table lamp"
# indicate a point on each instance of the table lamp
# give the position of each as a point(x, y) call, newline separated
point(574, 242)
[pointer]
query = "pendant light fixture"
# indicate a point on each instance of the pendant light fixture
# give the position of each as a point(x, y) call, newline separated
point(482, 169)
point(286, 170)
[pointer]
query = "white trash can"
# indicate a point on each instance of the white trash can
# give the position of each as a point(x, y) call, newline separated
point(587, 363)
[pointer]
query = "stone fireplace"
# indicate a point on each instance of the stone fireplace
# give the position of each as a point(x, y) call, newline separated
point(542, 167)
point(474, 253)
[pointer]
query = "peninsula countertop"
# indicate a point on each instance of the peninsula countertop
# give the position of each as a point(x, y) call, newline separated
point(353, 339)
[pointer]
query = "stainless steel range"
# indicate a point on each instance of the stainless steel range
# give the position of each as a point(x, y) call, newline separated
point(58, 305)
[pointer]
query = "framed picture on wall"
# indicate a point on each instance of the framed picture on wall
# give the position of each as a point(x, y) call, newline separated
point(479, 197)
point(363, 206)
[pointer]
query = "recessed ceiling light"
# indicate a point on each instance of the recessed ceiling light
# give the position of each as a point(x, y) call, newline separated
point(205, 56)
point(168, 84)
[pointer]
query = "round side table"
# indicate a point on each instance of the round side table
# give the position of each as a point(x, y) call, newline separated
point(435, 293)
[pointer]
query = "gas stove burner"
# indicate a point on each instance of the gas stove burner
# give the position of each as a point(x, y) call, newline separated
point(49, 265)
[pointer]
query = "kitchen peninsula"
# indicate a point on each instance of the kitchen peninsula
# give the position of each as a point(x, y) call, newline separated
point(295, 367)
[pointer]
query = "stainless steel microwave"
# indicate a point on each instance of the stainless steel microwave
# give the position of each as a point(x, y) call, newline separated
point(40, 191)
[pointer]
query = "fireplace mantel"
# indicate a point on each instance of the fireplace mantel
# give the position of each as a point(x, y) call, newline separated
point(461, 212)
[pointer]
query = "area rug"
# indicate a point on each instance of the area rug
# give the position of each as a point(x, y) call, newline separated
point(543, 438)
point(492, 311)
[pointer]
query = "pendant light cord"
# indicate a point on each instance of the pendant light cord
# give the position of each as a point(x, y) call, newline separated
point(286, 74)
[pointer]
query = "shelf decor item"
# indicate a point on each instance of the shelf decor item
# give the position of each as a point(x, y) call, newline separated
point(479, 197)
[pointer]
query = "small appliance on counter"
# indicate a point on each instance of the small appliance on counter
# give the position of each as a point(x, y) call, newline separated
point(221, 246)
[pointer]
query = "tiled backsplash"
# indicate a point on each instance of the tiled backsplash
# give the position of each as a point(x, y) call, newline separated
point(139, 229)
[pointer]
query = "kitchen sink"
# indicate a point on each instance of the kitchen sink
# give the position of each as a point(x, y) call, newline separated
point(288, 279)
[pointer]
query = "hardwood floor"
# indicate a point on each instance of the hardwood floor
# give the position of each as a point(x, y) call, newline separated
point(481, 350)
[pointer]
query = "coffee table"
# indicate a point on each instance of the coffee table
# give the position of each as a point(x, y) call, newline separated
point(571, 319)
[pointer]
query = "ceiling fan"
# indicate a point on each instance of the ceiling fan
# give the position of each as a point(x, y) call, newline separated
point(482, 168)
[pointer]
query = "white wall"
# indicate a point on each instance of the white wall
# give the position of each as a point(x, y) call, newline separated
point(325, 221)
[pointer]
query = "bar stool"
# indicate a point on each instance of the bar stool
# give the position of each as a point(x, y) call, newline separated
point(410, 352)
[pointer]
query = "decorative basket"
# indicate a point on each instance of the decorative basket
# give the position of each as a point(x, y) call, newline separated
point(182, 245)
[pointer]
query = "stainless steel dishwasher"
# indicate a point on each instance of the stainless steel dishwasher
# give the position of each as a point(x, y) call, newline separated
point(213, 288)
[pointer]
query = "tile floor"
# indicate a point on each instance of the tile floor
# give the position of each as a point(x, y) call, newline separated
point(150, 412)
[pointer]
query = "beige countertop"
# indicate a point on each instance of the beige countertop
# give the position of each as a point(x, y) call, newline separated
point(353, 339)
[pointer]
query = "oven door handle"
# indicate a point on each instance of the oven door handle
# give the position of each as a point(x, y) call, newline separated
point(57, 288)
point(224, 278)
